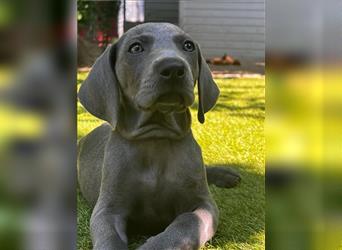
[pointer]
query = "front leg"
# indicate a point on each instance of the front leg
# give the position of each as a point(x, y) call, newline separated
point(108, 229)
point(189, 231)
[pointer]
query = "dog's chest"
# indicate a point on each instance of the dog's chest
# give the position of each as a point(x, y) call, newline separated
point(166, 182)
point(163, 178)
point(161, 196)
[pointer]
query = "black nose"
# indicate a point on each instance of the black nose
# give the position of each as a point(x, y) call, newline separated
point(171, 68)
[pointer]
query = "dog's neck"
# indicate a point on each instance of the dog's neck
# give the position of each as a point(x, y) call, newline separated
point(135, 124)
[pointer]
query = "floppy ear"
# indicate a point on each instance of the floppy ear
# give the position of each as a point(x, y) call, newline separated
point(99, 93)
point(208, 91)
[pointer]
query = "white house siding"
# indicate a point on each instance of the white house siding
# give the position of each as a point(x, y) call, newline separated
point(234, 27)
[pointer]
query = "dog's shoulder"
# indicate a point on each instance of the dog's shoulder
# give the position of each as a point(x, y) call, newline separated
point(96, 136)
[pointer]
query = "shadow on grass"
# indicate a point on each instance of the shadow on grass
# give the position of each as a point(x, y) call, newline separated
point(253, 105)
point(242, 212)
point(242, 208)
point(253, 116)
point(248, 87)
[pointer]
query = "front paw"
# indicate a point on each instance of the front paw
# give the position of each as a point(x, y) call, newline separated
point(167, 243)
point(151, 243)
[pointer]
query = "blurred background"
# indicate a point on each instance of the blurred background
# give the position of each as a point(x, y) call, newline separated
point(304, 106)
point(231, 33)
point(303, 124)
point(37, 125)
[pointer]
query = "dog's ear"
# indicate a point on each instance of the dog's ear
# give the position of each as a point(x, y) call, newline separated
point(208, 91)
point(99, 93)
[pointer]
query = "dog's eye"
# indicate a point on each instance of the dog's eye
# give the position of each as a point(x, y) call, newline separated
point(188, 46)
point(135, 48)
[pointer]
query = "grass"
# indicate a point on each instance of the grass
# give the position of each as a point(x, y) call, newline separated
point(232, 136)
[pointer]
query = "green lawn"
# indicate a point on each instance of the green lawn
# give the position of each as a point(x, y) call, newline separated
point(232, 136)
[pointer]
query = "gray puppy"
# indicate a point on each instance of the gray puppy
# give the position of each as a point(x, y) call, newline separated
point(144, 172)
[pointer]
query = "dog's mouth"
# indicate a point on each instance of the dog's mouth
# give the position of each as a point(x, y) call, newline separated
point(166, 103)
point(169, 103)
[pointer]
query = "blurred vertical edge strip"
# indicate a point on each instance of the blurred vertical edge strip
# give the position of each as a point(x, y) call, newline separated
point(38, 124)
point(304, 124)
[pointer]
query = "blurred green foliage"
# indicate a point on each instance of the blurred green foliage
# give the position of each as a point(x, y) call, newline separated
point(96, 16)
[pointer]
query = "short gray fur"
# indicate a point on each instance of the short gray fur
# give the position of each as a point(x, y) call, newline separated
point(143, 172)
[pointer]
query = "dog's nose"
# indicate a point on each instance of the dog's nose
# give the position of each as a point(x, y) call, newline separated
point(171, 68)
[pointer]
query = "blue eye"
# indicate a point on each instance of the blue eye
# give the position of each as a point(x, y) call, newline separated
point(188, 46)
point(135, 48)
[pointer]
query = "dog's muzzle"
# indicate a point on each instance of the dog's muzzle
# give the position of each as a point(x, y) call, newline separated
point(174, 89)
point(171, 69)
point(171, 102)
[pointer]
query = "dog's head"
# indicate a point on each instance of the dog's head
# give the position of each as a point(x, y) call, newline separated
point(154, 67)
